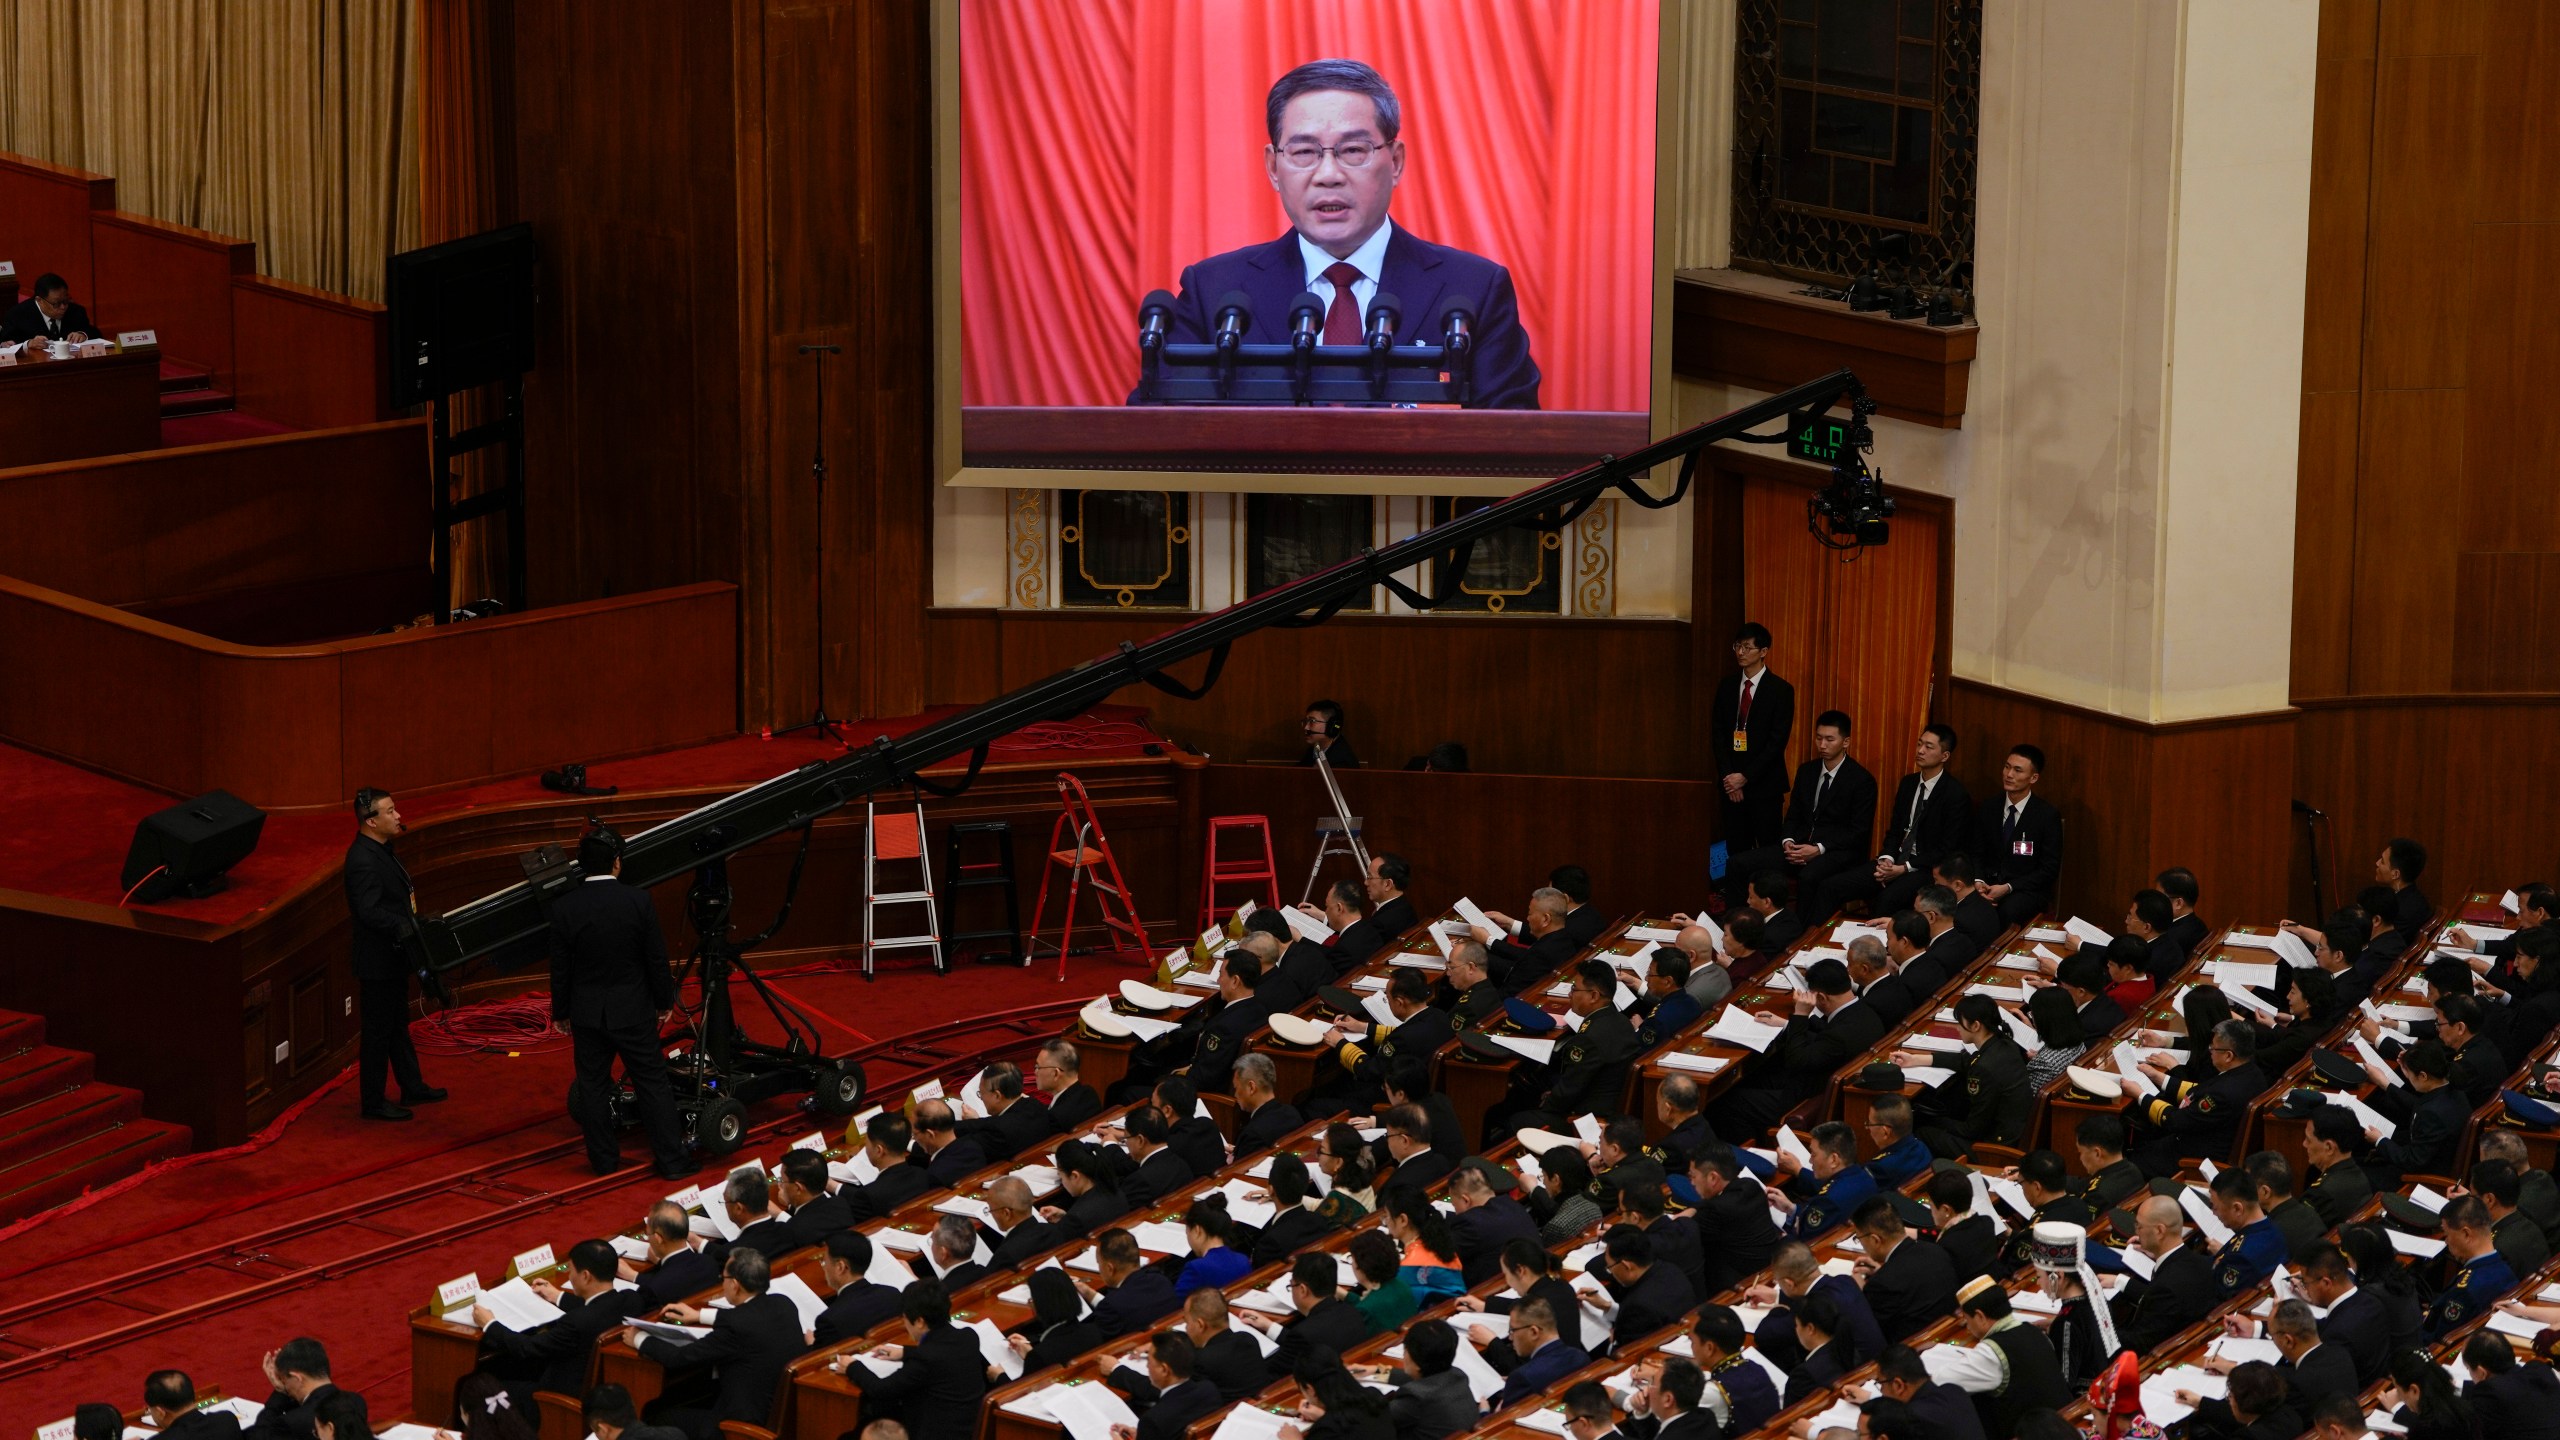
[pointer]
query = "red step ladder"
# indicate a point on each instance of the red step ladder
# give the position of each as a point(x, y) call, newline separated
point(1236, 870)
point(1078, 846)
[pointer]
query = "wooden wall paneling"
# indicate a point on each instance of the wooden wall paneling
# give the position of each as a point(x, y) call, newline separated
point(2510, 458)
point(48, 208)
point(2341, 162)
point(2506, 604)
point(2221, 805)
point(307, 358)
point(1782, 589)
point(175, 279)
point(204, 520)
point(2417, 302)
point(2458, 773)
point(2405, 542)
point(2325, 537)
point(1611, 706)
point(1491, 837)
point(56, 410)
point(626, 160)
point(2519, 149)
point(79, 966)
point(2433, 27)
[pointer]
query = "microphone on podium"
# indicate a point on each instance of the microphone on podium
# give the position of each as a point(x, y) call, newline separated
point(1153, 313)
point(1457, 344)
point(1235, 314)
point(1384, 313)
point(1306, 322)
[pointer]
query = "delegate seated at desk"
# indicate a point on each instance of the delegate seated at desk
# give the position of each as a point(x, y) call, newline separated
point(50, 314)
point(1335, 160)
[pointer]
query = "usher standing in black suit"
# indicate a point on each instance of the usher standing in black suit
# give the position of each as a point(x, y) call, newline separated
point(1754, 713)
point(610, 991)
point(1831, 818)
point(2019, 838)
point(1931, 819)
point(385, 908)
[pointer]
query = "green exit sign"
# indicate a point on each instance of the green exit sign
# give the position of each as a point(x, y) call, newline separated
point(1823, 441)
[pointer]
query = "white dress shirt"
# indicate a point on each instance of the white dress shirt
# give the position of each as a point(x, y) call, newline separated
point(1370, 260)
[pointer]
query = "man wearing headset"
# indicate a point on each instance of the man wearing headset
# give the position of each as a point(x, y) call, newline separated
point(385, 908)
point(611, 993)
point(1322, 730)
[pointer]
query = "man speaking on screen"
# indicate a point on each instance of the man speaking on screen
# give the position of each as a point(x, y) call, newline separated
point(1335, 160)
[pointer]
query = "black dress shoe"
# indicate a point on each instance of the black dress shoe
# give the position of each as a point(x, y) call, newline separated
point(428, 1096)
point(385, 1111)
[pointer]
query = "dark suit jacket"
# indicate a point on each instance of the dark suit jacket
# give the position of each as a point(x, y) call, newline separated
point(1231, 1363)
point(2039, 827)
point(1171, 1416)
point(1394, 918)
point(1292, 1230)
point(1060, 1345)
point(1433, 1406)
point(1519, 963)
point(1142, 1298)
point(1539, 1372)
point(378, 892)
point(1427, 1168)
point(1782, 927)
point(1334, 1324)
point(1159, 1175)
point(1266, 1127)
point(1356, 943)
point(1763, 762)
point(2520, 1404)
point(936, 1391)
point(1074, 1108)
point(2178, 1294)
point(857, 1310)
point(1661, 1296)
point(1945, 823)
point(1891, 998)
point(554, 1356)
point(823, 1216)
point(2362, 1327)
point(769, 1237)
point(1972, 1245)
point(748, 1347)
point(1915, 1285)
point(1584, 922)
point(952, 1163)
point(1845, 817)
point(1034, 1236)
point(1423, 276)
point(608, 957)
point(1010, 1131)
point(25, 322)
point(281, 1417)
point(684, 1273)
point(1480, 1234)
point(1736, 1233)
point(1201, 1144)
point(896, 1185)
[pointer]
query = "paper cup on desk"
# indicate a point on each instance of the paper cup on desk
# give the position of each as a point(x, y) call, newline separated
point(1297, 1029)
point(2096, 1084)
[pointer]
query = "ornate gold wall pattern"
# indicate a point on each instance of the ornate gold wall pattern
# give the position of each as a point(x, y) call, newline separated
point(1027, 548)
point(1595, 560)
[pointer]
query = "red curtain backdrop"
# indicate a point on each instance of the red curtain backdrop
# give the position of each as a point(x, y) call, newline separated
point(1106, 144)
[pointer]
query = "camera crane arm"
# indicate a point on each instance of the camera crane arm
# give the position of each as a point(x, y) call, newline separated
point(800, 797)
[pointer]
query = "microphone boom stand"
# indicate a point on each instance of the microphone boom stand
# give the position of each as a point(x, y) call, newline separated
point(818, 719)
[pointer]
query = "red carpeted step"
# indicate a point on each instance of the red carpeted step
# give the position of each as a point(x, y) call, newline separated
point(177, 375)
point(202, 400)
point(20, 1031)
point(57, 1120)
point(42, 1181)
point(34, 1074)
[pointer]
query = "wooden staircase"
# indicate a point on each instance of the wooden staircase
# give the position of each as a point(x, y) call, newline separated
point(62, 1132)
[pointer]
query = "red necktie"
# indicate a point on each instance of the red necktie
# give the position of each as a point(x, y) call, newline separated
point(1742, 712)
point(1342, 317)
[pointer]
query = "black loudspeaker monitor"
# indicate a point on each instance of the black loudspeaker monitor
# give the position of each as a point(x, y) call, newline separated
point(461, 314)
point(190, 846)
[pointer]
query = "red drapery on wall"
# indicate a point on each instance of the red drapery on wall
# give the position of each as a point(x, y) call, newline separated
point(1106, 144)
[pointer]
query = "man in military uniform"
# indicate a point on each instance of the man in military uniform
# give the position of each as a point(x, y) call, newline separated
point(2256, 1246)
point(1222, 1037)
point(2481, 1276)
point(2301, 1225)
point(1901, 1156)
point(1829, 1190)
point(1675, 1105)
point(2188, 1121)
point(2112, 1179)
point(1669, 1007)
point(1474, 1000)
point(1740, 1393)
point(1419, 1030)
point(1589, 1073)
point(2338, 1188)
point(1985, 1097)
point(2047, 1183)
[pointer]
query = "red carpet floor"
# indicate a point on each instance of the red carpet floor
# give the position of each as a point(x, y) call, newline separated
point(502, 1105)
point(69, 827)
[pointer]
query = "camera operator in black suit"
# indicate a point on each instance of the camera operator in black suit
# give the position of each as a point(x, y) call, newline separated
point(611, 990)
point(385, 908)
point(1754, 713)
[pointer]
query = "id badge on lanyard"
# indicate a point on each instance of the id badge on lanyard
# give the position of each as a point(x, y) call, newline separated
point(1741, 739)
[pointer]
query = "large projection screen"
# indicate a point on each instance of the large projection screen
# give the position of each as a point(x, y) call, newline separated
point(1090, 151)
